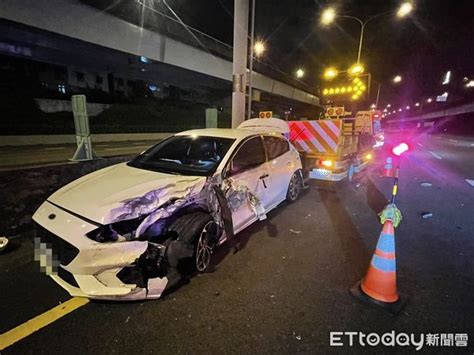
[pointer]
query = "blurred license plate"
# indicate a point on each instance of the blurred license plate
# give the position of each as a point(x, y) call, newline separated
point(319, 174)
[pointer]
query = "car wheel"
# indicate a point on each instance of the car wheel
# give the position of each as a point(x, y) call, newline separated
point(198, 231)
point(294, 187)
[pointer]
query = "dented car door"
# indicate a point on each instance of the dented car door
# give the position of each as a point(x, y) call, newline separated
point(246, 179)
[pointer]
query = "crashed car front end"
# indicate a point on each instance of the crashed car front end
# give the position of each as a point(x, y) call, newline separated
point(134, 256)
point(85, 267)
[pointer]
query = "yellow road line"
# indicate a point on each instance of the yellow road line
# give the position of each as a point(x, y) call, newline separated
point(41, 321)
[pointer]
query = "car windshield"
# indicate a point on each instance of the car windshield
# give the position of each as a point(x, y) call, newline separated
point(184, 155)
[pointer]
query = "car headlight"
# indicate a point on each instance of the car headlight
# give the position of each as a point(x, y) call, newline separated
point(118, 231)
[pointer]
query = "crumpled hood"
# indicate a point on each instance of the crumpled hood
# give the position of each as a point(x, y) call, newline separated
point(122, 192)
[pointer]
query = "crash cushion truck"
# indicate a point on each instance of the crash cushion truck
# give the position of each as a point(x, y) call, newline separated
point(333, 149)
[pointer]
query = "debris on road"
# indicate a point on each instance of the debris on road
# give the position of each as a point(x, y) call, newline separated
point(3, 244)
point(426, 215)
point(426, 184)
point(294, 231)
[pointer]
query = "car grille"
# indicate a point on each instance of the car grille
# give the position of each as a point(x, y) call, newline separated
point(63, 251)
point(67, 277)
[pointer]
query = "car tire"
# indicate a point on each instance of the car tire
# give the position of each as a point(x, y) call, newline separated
point(197, 231)
point(294, 187)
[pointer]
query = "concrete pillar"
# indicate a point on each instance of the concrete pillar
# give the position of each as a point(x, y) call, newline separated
point(239, 67)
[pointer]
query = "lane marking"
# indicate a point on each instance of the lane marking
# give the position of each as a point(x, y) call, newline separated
point(470, 182)
point(436, 155)
point(421, 145)
point(129, 148)
point(55, 148)
point(453, 140)
point(102, 145)
point(23, 330)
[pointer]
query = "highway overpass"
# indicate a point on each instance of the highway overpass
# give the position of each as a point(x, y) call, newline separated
point(76, 20)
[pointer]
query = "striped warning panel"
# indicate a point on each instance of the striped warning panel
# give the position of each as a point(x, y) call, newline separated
point(316, 136)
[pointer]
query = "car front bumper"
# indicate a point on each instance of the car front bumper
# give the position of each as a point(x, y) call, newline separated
point(84, 267)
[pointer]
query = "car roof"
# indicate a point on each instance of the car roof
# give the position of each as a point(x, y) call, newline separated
point(220, 132)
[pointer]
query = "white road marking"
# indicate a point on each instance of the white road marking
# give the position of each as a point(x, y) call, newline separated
point(435, 155)
point(421, 145)
point(129, 148)
point(55, 148)
point(102, 145)
point(470, 182)
point(453, 140)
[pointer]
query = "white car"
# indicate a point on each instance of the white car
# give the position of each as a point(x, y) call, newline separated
point(132, 230)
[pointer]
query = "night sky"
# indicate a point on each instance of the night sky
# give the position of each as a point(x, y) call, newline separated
point(437, 37)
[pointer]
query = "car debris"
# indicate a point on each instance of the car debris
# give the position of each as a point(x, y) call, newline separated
point(426, 215)
point(3, 244)
point(295, 231)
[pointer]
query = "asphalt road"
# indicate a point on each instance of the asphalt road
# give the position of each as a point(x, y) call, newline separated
point(287, 288)
point(28, 156)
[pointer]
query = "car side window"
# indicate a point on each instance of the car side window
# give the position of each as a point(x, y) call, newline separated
point(249, 155)
point(275, 146)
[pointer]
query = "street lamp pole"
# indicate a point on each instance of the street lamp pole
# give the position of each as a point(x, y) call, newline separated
point(239, 65)
point(378, 95)
point(362, 28)
point(252, 39)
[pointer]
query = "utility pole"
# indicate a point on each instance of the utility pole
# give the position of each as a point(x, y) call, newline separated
point(239, 66)
point(252, 40)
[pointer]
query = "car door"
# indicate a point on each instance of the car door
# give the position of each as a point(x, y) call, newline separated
point(281, 167)
point(246, 173)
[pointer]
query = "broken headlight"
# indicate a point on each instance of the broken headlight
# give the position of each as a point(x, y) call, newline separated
point(118, 231)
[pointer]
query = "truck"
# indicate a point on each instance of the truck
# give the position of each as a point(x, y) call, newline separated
point(374, 124)
point(333, 149)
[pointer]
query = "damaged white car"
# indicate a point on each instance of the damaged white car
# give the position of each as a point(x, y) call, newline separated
point(132, 230)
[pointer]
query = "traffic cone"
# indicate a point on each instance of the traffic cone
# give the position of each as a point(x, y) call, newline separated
point(379, 286)
point(388, 168)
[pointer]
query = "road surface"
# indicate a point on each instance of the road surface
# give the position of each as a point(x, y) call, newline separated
point(287, 288)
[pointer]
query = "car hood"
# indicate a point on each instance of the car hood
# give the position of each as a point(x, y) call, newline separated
point(121, 192)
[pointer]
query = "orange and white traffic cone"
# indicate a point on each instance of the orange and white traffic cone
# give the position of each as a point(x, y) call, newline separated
point(379, 286)
point(388, 168)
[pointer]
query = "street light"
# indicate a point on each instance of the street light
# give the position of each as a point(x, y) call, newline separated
point(356, 69)
point(429, 100)
point(328, 16)
point(258, 48)
point(330, 73)
point(388, 105)
point(397, 79)
point(417, 104)
point(299, 73)
point(405, 9)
